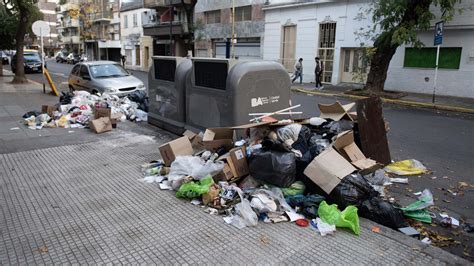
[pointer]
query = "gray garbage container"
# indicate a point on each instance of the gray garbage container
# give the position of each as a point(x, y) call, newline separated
point(222, 92)
point(166, 91)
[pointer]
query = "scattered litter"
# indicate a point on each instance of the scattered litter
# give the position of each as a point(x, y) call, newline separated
point(196, 202)
point(406, 167)
point(302, 222)
point(426, 240)
point(70, 131)
point(153, 179)
point(434, 177)
point(417, 193)
point(166, 185)
point(376, 229)
point(410, 231)
point(14, 128)
point(324, 228)
point(399, 180)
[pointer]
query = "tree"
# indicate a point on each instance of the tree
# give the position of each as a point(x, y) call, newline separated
point(189, 9)
point(7, 31)
point(396, 23)
point(24, 12)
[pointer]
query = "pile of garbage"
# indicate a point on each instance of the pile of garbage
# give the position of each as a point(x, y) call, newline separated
point(80, 108)
point(307, 171)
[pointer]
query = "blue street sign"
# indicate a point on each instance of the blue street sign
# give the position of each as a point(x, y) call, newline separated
point(438, 37)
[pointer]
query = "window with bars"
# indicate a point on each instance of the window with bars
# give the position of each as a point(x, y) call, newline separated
point(327, 38)
point(135, 20)
point(213, 17)
point(327, 35)
point(243, 13)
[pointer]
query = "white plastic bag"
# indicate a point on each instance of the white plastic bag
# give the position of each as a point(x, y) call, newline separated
point(289, 133)
point(263, 203)
point(244, 215)
point(193, 166)
point(324, 228)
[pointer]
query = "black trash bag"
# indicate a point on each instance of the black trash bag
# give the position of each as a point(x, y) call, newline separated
point(138, 96)
point(309, 204)
point(382, 212)
point(274, 145)
point(352, 190)
point(31, 113)
point(273, 167)
point(302, 144)
point(66, 97)
point(337, 127)
point(317, 144)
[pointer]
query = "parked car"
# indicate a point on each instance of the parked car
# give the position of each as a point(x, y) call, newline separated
point(103, 77)
point(61, 57)
point(31, 61)
point(5, 58)
point(73, 58)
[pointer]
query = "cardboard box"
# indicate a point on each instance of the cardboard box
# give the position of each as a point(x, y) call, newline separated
point(48, 109)
point(215, 138)
point(196, 140)
point(237, 161)
point(115, 118)
point(101, 125)
point(102, 112)
point(345, 145)
point(224, 175)
point(180, 146)
point(336, 111)
point(328, 169)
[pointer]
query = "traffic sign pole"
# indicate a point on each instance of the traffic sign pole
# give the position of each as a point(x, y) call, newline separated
point(42, 60)
point(436, 74)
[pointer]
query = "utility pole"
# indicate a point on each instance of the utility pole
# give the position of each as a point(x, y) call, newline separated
point(171, 29)
point(233, 29)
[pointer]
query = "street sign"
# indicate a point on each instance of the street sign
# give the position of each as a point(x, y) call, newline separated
point(438, 37)
point(40, 27)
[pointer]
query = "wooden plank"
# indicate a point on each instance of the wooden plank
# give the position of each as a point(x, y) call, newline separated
point(372, 133)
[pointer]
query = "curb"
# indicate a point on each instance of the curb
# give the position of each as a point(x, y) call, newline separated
point(393, 101)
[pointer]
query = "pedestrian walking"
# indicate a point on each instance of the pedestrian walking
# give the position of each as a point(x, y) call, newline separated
point(298, 71)
point(318, 73)
point(124, 59)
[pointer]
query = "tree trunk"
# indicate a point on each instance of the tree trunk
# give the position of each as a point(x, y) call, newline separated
point(379, 65)
point(20, 38)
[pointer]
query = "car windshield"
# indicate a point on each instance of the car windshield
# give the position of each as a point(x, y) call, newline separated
point(32, 57)
point(107, 71)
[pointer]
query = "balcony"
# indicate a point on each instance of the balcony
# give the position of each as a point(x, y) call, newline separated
point(163, 29)
point(71, 39)
point(69, 24)
point(104, 16)
point(154, 3)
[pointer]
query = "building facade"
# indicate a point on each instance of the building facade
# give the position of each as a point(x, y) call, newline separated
point(167, 24)
point(100, 21)
point(137, 48)
point(68, 27)
point(215, 25)
point(327, 29)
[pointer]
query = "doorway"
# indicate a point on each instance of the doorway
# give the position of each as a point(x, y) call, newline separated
point(288, 47)
point(137, 55)
point(145, 59)
point(354, 66)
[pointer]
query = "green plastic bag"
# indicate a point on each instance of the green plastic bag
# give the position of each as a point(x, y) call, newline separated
point(419, 215)
point(296, 188)
point(346, 219)
point(193, 190)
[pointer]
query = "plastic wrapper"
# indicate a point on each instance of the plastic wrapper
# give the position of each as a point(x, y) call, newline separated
point(308, 204)
point(325, 228)
point(274, 167)
point(289, 133)
point(263, 202)
point(382, 212)
point(337, 127)
point(424, 200)
point(348, 218)
point(193, 190)
point(193, 166)
point(406, 167)
point(296, 188)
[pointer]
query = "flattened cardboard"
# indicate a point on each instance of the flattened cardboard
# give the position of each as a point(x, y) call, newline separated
point(345, 144)
point(102, 112)
point(336, 111)
point(180, 146)
point(101, 125)
point(237, 161)
point(189, 134)
point(328, 169)
point(48, 109)
point(224, 175)
point(214, 138)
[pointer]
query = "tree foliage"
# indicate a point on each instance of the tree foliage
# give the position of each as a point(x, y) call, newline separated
point(397, 22)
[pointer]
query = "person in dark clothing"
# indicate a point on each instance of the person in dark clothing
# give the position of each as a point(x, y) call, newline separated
point(124, 59)
point(318, 73)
